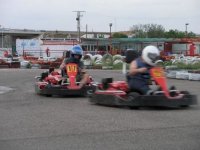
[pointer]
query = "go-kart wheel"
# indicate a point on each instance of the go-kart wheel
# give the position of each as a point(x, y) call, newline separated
point(186, 93)
point(172, 88)
point(172, 93)
point(91, 91)
point(88, 93)
point(132, 96)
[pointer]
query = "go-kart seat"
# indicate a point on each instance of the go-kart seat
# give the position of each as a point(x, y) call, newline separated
point(44, 75)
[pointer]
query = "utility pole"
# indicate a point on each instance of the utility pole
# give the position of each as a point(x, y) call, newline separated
point(186, 32)
point(86, 30)
point(110, 25)
point(78, 19)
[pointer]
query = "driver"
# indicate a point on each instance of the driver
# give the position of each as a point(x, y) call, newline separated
point(138, 76)
point(75, 57)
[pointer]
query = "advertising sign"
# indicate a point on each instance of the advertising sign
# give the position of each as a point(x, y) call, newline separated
point(28, 45)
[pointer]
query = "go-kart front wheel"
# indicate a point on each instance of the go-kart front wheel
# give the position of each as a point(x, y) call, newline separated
point(131, 97)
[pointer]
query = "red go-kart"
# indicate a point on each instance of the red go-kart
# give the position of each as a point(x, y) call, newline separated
point(54, 83)
point(117, 93)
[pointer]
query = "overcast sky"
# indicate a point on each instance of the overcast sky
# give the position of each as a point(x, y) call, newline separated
point(59, 15)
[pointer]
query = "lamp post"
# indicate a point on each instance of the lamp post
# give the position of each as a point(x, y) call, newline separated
point(78, 18)
point(110, 24)
point(186, 28)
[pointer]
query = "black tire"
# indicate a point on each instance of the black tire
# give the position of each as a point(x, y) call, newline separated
point(89, 92)
point(132, 96)
point(172, 88)
point(186, 93)
point(172, 93)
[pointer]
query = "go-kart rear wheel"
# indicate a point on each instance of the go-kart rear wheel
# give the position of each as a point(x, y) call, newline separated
point(186, 93)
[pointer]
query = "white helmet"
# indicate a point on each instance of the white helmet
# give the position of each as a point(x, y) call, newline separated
point(150, 54)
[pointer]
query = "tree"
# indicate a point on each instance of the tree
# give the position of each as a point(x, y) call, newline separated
point(179, 34)
point(158, 31)
point(155, 31)
point(148, 31)
point(119, 35)
point(191, 34)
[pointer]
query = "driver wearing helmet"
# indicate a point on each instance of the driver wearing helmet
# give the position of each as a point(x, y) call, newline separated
point(75, 57)
point(138, 76)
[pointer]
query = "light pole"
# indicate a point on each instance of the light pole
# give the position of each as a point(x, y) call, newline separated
point(186, 28)
point(78, 18)
point(110, 24)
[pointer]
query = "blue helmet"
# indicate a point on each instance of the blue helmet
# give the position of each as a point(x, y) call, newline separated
point(76, 50)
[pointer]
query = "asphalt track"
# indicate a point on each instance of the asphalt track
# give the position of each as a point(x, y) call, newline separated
point(32, 122)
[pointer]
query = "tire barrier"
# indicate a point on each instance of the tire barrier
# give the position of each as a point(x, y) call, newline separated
point(25, 64)
point(118, 61)
point(36, 66)
point(107, 61)
point(97, 60)
point(87, 60)
point(183, 75)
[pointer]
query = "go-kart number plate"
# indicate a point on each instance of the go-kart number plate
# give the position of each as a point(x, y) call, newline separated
point(71, 68)
point(158, 73)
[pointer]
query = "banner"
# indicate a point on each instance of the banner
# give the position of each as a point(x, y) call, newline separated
point(28, 45)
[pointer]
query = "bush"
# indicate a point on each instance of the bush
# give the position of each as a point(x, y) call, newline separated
point(181, 65)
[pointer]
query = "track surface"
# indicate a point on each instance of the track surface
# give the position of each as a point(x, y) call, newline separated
point(32, 122)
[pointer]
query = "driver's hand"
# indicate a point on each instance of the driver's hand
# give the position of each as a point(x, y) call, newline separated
point(62, 66)
point(142, 70)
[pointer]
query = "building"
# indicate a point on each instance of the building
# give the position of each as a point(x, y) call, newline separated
point(92, 42)
point(187, 46)
point(56, 41)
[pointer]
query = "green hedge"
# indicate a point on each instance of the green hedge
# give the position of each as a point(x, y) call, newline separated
point(181, 65)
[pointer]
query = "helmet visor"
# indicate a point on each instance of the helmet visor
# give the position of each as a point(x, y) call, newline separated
point(153, 56)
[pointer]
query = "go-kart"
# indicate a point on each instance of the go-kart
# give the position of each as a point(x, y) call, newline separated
point(52, 82)
point(117, 93)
